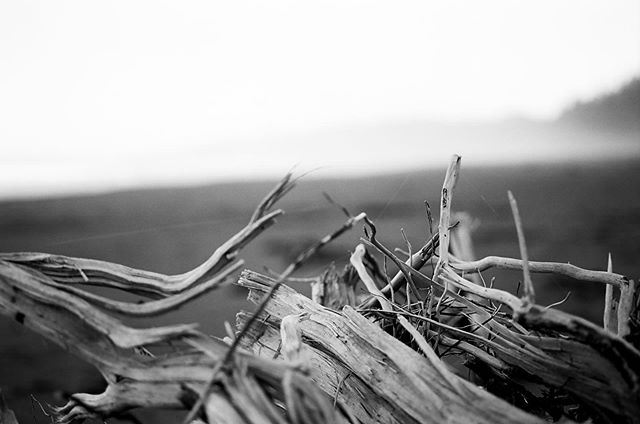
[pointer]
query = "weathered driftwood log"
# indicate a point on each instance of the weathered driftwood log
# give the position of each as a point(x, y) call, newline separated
point(378, 377)
point(42, 293)
point(244, 390)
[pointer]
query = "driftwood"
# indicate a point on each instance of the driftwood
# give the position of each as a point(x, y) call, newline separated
point(378, 378)
point(430, 344)
point(40, 291)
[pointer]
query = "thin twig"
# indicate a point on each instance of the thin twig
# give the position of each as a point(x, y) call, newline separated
point(417, 261)
point(336, 204)
point(403, 274)
point(284, 186)
point(468, 334)
point(560, 302)
point(529, 293)
point(340, 383)
point(409, 280)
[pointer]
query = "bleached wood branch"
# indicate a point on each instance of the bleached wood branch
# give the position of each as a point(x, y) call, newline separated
point(417, 261)
point(541, 267)
point(67, 270)
point(610, 303)
point(450, 180)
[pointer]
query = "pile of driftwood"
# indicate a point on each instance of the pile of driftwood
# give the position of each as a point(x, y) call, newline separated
point(420, 338)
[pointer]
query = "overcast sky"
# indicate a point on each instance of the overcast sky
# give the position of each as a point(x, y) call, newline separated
point(97, 94)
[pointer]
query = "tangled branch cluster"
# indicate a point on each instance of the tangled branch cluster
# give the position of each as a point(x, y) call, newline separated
point(431, 343)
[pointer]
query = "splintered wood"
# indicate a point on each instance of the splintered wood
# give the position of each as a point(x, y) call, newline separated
point(431, 343)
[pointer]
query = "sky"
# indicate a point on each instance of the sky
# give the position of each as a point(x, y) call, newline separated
point(106, 95)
